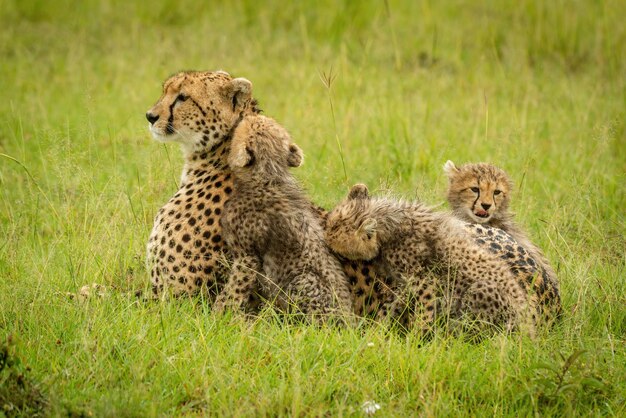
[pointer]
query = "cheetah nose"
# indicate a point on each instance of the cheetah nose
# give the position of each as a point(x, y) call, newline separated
point(485, 206)
point(152, 118)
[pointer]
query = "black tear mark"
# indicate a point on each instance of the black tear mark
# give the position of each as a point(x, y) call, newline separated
point(252, 159)
point(169, 129)
point(234, 101)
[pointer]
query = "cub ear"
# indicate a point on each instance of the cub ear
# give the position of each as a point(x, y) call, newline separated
point(450, 168)
point(295, 156)
point(240, 91)
point(358, 191)
point(241, 157)
point(368, 227)
point(242, 86)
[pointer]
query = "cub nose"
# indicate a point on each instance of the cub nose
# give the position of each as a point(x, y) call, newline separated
point(485, 206)
point(152, 118)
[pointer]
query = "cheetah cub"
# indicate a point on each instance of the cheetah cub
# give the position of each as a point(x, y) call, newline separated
point(273, 230)
point(432, 258)
point(480, 194)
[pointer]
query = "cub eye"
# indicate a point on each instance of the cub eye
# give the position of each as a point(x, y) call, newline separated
point(496, 192)
point(181, 97)
point(475, 189)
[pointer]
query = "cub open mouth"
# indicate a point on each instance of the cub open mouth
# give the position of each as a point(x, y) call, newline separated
point(482, 214)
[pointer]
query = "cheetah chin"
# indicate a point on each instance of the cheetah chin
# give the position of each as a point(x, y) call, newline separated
point(157, 136)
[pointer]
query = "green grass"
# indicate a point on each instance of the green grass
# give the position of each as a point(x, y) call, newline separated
point(536, 87)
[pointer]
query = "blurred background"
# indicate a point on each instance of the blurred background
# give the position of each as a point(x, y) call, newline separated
point(382, 92)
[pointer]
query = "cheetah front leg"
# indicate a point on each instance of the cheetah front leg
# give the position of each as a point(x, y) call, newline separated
point(412, 301)
point(309, 295)
point(419, 301)
point(240, 285)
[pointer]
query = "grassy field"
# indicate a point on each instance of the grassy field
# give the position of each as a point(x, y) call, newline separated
point(536, 87)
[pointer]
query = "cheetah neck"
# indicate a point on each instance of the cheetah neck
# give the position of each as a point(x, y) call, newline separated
point(501, 220)
point(506, 223)
point(272, 190)
point(261, 181)
point(199, 163)
point(213, 160)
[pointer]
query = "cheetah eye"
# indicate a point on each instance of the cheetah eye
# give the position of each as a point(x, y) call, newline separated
point(497, 192)
point(475, 189)
point(181, 97)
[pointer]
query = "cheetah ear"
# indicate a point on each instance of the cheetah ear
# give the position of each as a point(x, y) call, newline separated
point(295, 156)
point(242, 86)
point(240, 91)
point(241, 157)
point(358, 191)
point(368, 227)
point(450, 168)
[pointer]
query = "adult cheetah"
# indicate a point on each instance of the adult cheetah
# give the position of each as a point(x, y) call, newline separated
point(199, 110)
point(433, 257)
point(273, 231)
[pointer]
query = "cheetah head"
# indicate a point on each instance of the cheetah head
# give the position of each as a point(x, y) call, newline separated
point(478, 193)
point(199, 109)
point(261, 149)
point(350, 229)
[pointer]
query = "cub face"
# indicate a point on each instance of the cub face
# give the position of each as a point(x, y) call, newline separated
point(350, 231)
point(262, 149)
point(199, 109)
point(478, 193)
